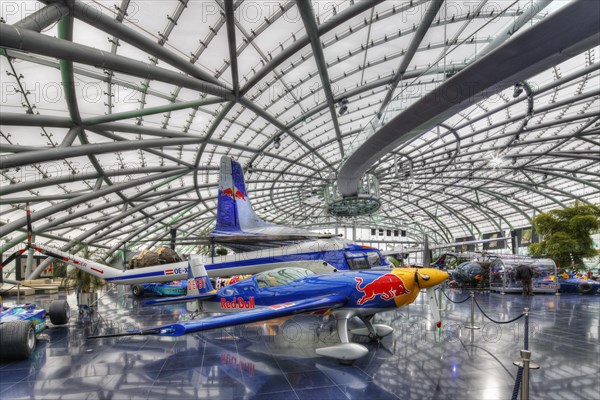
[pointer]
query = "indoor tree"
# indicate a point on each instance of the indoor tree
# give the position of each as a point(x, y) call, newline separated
point(566, 234)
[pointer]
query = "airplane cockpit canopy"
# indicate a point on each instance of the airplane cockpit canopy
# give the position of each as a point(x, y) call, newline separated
point(281, 276)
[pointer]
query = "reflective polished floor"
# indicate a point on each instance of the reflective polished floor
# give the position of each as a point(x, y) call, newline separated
point(276, 359)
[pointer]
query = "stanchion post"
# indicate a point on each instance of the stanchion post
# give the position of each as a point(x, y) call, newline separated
point(472, 326)
point(525, 359)
point(18, 293)
point(526, 329)
point(525, 362)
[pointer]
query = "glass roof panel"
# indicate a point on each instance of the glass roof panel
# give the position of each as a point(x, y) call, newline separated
point(493, 163)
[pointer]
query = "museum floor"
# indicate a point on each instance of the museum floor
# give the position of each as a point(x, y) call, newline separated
point(276, 360)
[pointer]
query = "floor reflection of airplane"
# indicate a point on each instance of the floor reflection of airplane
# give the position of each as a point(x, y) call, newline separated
point(263, 245)
point(289, 291)
point(258, 369)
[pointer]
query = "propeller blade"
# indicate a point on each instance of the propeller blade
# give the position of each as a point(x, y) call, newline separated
point(435, 309)
point(12, 257)
point(29, 228)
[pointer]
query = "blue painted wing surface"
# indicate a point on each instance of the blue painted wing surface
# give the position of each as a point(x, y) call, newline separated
point(256, 315)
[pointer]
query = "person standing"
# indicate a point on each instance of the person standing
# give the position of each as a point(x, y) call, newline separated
point(525, 274)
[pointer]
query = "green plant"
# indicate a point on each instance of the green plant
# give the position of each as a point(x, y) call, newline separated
point(59, 269)
point(81, 280)
point(221, 251)
point(566, 234)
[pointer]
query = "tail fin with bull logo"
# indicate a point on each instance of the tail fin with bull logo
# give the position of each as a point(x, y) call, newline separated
point(234, 211)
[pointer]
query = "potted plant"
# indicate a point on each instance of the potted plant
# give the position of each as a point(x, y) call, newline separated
point(85, 285)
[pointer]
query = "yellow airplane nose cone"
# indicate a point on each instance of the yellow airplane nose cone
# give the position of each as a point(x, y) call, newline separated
point(429, 277)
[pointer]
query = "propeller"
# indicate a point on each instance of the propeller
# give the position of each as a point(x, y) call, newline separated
point(18, 253)
point(431, 297)
point(435, 309)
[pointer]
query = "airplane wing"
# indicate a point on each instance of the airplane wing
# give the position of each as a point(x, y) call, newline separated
point(245, 317)
point(180, 299)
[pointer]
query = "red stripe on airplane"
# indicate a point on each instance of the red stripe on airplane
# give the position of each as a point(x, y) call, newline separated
point(97, 270)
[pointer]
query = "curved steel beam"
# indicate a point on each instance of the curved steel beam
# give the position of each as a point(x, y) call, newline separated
point(21, 222)
point(92, 16)
point(540, 47)
point(50, 154)
point(294, 47)
point(99, 227)
point(310, 25)
point(430, 13)
point(174, 106)
point(23, 39)
point(43, 18)
point(230, 22)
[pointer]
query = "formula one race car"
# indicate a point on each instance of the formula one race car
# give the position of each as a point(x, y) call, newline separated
point(20, 324)
point(176, 288)
point(573, 284)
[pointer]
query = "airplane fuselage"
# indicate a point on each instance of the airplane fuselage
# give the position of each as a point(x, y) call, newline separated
point(320, 256)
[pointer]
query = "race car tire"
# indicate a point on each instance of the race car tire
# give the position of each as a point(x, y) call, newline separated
point(137, 290)
point(59, 312)
point(585, 288)
point(17, 340)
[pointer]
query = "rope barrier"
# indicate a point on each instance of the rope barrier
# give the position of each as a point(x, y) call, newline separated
point(452, 301)
point(498, 322)
point(517, 386)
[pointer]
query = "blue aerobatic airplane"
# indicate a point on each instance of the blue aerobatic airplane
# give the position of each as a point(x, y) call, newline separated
point(292, 290)
point(260, 246)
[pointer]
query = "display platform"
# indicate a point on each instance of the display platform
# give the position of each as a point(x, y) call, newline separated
point(276, 359)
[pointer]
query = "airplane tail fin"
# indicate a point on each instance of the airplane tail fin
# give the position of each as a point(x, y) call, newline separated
point(197, 281)
point(234, 211)
point(439, 263)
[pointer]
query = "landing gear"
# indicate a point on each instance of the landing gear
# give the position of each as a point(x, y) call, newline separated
point(137, 290)
point(345, 352)
point(374, 332)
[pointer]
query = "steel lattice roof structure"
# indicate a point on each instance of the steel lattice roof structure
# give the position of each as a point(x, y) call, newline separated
point(114, 115)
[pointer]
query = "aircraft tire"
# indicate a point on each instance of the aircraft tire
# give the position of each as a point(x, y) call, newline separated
point(59, 312)
point(137, 290)
point(17, 340)
point(585, 288)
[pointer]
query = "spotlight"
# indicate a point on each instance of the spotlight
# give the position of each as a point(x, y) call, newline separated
point(343, 103)
point(277, 142)
point(518, 90)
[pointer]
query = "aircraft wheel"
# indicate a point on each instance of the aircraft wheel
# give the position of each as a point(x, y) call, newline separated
point(585, 288)
point(59, 312)
point(137, 290)
point(17, 340)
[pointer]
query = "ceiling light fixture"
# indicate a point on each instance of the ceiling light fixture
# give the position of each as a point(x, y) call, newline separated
point(518, 90)
point(343, 103)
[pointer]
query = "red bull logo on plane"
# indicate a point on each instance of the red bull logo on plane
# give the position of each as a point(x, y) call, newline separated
point(234, 193)
point(387, 287)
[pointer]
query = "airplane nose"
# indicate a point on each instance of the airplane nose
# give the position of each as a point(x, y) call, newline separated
point(429, 277)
